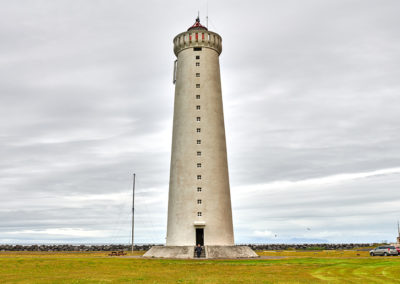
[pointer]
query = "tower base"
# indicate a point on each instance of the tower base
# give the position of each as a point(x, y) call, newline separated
point(211, 252)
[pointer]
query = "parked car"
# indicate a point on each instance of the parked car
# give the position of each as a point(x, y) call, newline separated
point(384, 250)
point(398, 249)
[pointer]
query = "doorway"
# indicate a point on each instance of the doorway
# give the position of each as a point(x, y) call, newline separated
point(199, 237)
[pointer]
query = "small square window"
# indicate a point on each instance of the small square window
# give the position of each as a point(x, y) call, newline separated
point(198, 97)
point(198, 201)
point(198, 118)
point(197, 63)
point(198, 141)
point(199, 214)
point(199, 189)
point(197, 74)
point(199, 165)
point(198, 176)
point(197, 85)
point(197, 107)
point(197, 48)
point(197, 56)
point(198, 153)
point(198, 130)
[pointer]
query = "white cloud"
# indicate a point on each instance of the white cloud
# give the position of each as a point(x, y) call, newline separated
point(266, 234)
point(61, 232)
point(316, 182)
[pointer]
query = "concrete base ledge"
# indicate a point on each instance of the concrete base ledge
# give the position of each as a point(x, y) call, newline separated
point(212, 252)
point(230, 252)
point(170, 252)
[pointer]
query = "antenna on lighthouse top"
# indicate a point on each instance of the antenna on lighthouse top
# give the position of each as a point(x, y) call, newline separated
point(207, 16)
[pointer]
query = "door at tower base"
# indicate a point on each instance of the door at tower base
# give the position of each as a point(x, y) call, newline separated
point(200, 236)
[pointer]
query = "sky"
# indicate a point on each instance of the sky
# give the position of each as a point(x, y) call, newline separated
point(311, 93)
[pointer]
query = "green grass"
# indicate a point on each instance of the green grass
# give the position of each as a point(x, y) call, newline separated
point(294, 267)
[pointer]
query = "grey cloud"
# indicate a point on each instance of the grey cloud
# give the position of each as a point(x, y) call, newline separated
point(310, 90)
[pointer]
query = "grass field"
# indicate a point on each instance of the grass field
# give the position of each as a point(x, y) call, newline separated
point(272, 267)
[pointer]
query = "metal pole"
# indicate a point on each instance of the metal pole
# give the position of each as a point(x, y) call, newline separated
point(133, 208)
point(207, 16)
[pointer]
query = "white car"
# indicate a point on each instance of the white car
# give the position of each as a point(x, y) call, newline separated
point(384, 250)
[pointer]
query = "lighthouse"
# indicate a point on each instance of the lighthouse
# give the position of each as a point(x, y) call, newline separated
point(199, 202)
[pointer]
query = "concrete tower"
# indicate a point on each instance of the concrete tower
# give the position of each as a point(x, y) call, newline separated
point(199, 206)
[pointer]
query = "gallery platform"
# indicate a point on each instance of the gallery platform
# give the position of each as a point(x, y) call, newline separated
point(211, 252)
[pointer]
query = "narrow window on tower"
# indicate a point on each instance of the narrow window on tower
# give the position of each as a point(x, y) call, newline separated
point(199, 165)
point(197, 63)
point(198, 176)
point(199, 214)
point(198, 130)
point(197, 56)
point(197, 74)
point(198, 141)
point(198, 118)
point(197, 85)
point(198, 107)
point(199, 189)
point(198, 201)
point(198, 153)
point(198, 97)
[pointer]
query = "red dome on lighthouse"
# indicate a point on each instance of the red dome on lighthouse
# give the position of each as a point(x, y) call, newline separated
point(197, 25)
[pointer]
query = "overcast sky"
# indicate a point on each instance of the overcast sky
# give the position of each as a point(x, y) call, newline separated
point(311, 94)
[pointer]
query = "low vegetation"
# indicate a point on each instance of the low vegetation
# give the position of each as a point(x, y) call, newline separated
point(272, 267)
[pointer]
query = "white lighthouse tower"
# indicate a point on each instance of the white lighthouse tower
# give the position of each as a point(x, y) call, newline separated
point(199, 205)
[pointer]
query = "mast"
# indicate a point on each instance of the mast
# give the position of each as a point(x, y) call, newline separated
point(133, 209)
point(207, 16)
point(398, 228)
